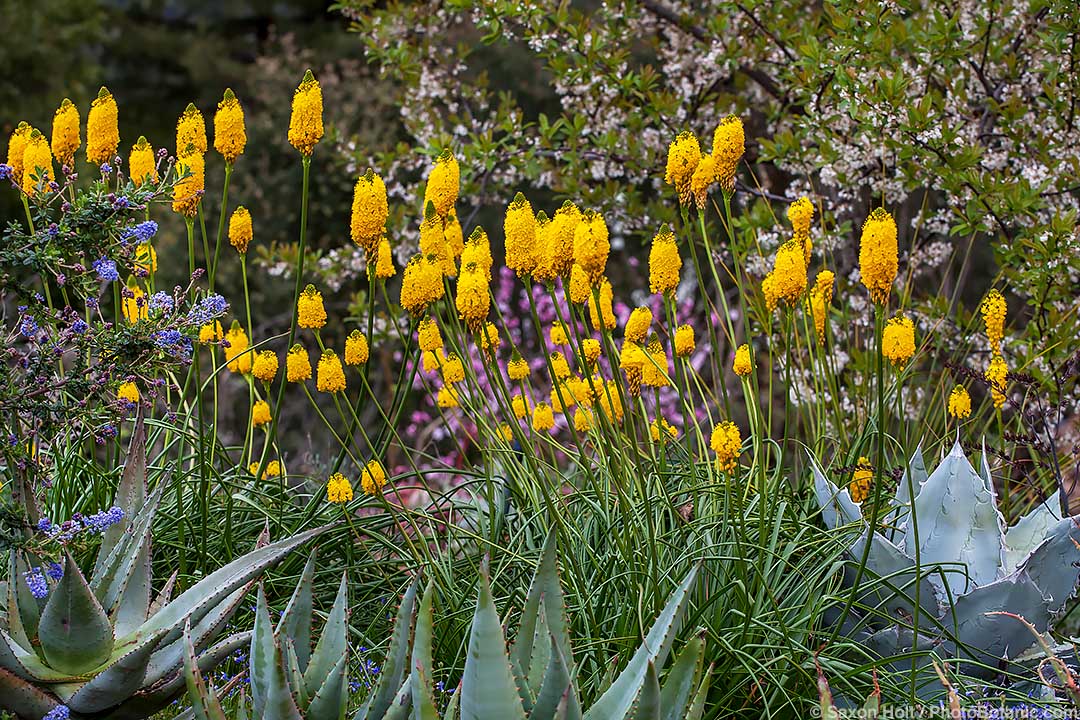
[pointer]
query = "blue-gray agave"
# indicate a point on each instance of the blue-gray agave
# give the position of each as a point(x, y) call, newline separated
point(103, 646)
point(947, 561)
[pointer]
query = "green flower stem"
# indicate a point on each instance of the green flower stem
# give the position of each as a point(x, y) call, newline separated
point(212, 270)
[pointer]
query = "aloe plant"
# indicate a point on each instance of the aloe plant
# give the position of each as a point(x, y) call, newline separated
point(103, 645)
point(944, 562)
point(535, 679)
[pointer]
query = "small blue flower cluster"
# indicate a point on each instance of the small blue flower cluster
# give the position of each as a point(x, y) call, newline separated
point(106, 269)
point(161, 302)
point(35, 580)
point(141, 233)
point(79, 326)
point(60, 712)
point(5, 171)
point(28, 326)
point(208, 309)
point(174, 342)
point(98, 522)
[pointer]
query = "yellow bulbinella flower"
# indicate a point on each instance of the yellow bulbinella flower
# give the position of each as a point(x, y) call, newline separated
point(631, 361)
point(453, 369)
point(230, 135)
point(583, 419)
point(133, 304)
point(560, 369)
point(240, 230)
point(606, 314)
point(37, 164)
point(190, 130)
point(684, 341)
point(128, 392)
point(421, 284)
point(726, 442)
point(373, 477)
point(898, 340)
point(331, 376)
point(520, 406)
point(555, 241)
point(211, 332)
point(959, 403)
point(237, 357)
point(102, 129)
point(878, 261)
point(433, 242)
point(997, 374)
point(683, 157)
point(338, 489)
point(488, 338)
point(658, 424)
point(443, 183)
point(146, 257)
point(703, 178)
point(66, 133)
point(384, 265)
point(590, 348)
point(519, 227)
point(20, 136)
point(455, 240)
point(188, 192)
point(654, 370)
point(306, 121)
point(558, 335)
point(273, 469)
point(142, 164)
point(637, 325)
point(819, 300)
point(665, 265)
point(260, 413)
point(428, 336)
point(310, 312)
point(448, 397)
point(591, 246)
point(729, 144)
point(356, 348)
point(769, 290)
point(297, 364)
point(789, 273)
point(579, 289)
point(862, 481)
point(265, 365)
point(518, 368)
point(543, 419)
point(505, 432)
point(477, 252)
point(430, 361)
point(801, 214)
point(370, 209)
point(993, 313)
point(742, 365)
point(609, 402)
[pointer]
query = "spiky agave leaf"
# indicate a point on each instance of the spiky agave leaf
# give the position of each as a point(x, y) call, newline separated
point(75, 633)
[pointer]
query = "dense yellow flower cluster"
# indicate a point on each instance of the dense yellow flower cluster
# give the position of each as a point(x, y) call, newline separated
point(878, 261)
point(726, 442)
point(134, 304)
point(188, 192)
point(959, 403)
point(729, 144)
point(591, 246)
point(742, 364)
point(306, 121)
point(236, 350)
point(37, 163)
point(556, 243)
point(102, 129)
point(604, 315)
point(443, 183)
point(310, 312)
point(240, 229)
point(519, 227)
point(142, 165)
point(260, 413)
point(297, 364)
point(684, 154)
point(637, 325)
point(331, 376)
point(898, 340)
point(421, 284)
point(190, 131)
point(997, 375)
point(370, 209)
point(17, 148)
point(665, 265)
point(819, 300)
point(684, 341)
point(66, 133)
point(373, 477)
point(265, 366)
point(128, 392)
point(230, 134)
point(356, 348)
point(473, 300)
point(543, 419)
point(993, 314)
point(862, 481)
point(339, 489)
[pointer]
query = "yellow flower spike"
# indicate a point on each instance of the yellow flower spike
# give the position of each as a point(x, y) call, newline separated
point(862, 481)
point(66, 133)
point(338, 489)
point(591, 246)
point(519, 227)
point(770, 291)
point(373, 477)
point(703, 178)
point(237, 357)
point(37, 163)
point(993, 313)
point(583, 419)
point(369, 211)
point(580, 290)
point(520, 406)
point(384, 265)
point(659, 423)
point(898, 340)
point(134, 304)
point(433, 242)
point(273, 469)
point(505, 432)
point(241, 232)
point(331, 376)
point(455, 240)
point(632, 360)
point(297, 364)
point(356, 348)
point(188, 192)
point(878, 261)
point(562, 397)
point(518, 368)
point(609, 402)
point(801, 214)
point(729, 144)
point(102, 129)
point(742, 365)
point(190, 130)
point(211, 332)
point(306, 121)
point(559, 367)
point(683, 157)
point(543, 419)
point(654, 370)
point(20, 136)
point(997, 375)
point(448, 397)
point(265, 365)
point(429, 361)
point(789, 273)
point(260, 413)
point(959, 403)
point(819, 301)
point(421, 284)
point(489, 338)
point(665, 265)
point(428, 336)
point(557, 335)
point(230, 135)
point(142, 163)
point(473, 299)
point(606, 314)
point(544, 270)
point(637, 325)
point(726, 442)
point(590, 347)
point(684, 341)
point(556, 243)
point(128, 392)
point(453, 369)
point(310, 312)
point(443, 183)
point(146, 257)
